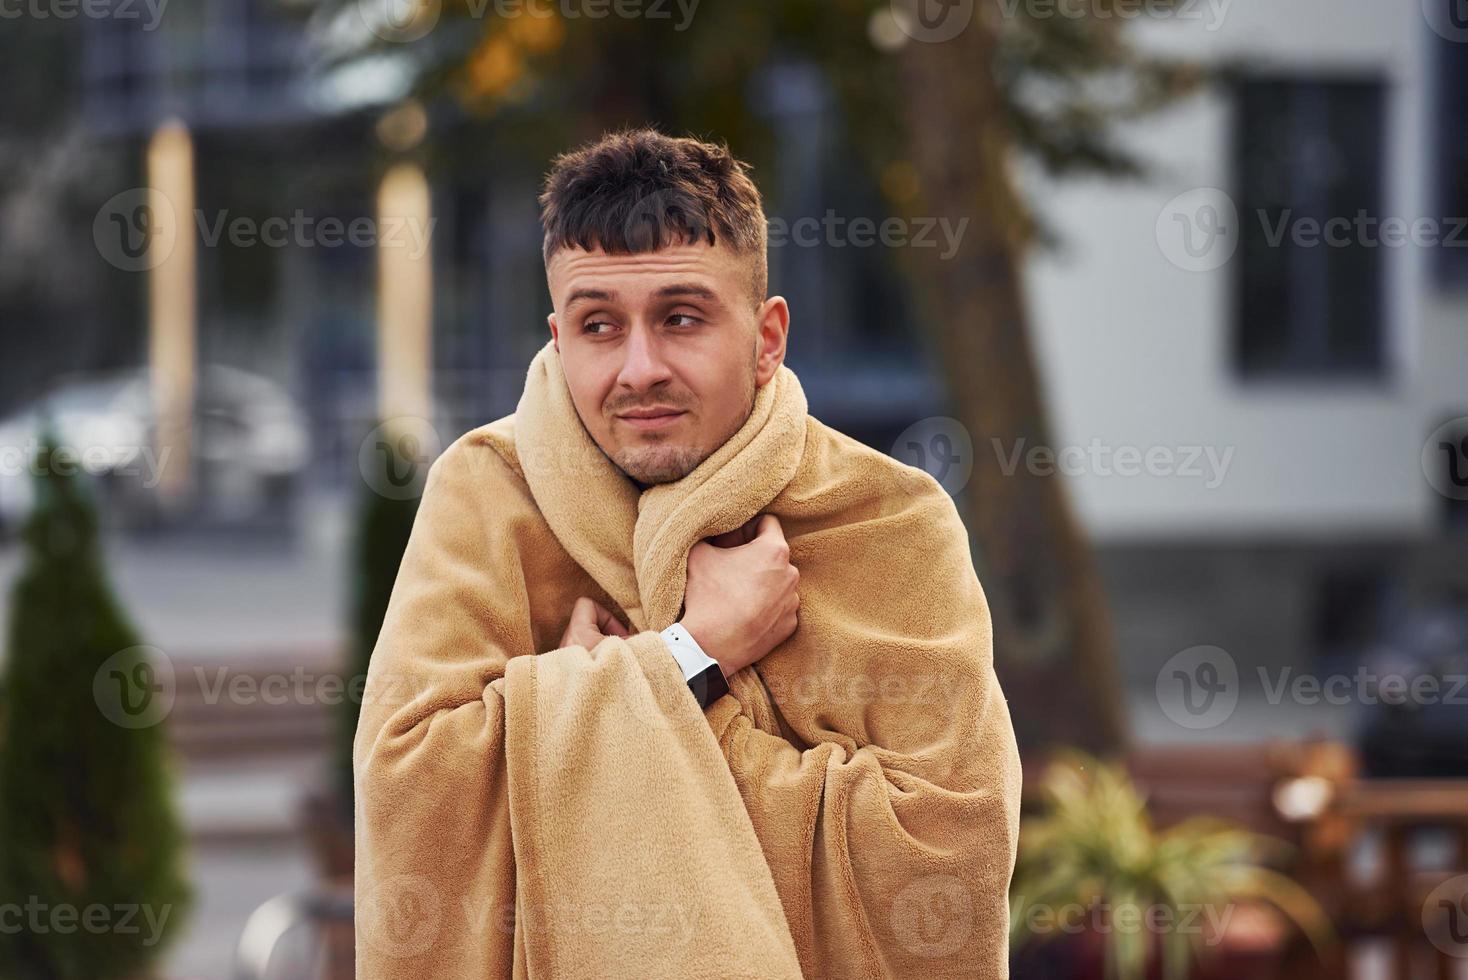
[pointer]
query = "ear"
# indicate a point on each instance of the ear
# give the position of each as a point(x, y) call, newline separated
point(555, 336)
point(772, 320)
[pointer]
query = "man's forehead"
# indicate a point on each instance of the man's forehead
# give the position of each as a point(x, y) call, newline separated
point(629, 276)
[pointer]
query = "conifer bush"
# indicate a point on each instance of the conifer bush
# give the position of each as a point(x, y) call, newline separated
point(91, 849)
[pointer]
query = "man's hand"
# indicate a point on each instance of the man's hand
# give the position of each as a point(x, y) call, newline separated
point(740, 601)
point(590, 624)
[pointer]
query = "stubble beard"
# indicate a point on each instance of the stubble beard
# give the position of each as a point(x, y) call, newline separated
point(665, 461)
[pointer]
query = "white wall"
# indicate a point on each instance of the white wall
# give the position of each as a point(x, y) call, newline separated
point(1135, 349)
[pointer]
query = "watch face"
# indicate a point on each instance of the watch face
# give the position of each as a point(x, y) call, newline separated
point(710, 685)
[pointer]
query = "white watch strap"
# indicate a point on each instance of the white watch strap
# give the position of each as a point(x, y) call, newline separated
point(686, 651)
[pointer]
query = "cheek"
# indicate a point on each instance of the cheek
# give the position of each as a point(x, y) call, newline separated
point(588, 393)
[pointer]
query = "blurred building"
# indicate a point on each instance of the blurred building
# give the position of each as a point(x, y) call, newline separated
point(278, 129)
point(1217, 309)
point(1271, 395)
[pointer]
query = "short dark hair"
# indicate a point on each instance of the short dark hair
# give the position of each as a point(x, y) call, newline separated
point(638, 190)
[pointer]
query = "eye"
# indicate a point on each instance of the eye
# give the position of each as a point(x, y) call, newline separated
point(590, 327)
point(689, 320)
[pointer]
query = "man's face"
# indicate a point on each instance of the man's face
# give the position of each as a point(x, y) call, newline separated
point(662, 351)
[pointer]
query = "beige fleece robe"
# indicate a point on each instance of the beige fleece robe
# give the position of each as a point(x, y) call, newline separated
point(850, 809)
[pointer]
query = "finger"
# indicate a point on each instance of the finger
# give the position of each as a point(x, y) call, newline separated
point(608, 624)
point(584, 613)
point(769, 527)
point(591, 617)
point(729, 539)
point(743, 534)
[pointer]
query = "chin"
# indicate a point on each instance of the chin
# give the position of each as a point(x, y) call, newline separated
point(658, 463)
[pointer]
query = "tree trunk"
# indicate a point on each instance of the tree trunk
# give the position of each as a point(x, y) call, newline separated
point(1053, 643)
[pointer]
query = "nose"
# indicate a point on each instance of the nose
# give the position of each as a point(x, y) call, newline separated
point(643, 365)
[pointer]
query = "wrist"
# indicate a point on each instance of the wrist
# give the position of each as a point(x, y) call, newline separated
point(705, 675)
point(704, 637)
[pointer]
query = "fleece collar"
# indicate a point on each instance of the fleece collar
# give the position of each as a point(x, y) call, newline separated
point(635, 545)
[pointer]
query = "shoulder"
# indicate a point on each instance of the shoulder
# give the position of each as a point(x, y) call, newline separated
point(840, 474)
point(880, 529)
point(486, 451)
point(479, 471)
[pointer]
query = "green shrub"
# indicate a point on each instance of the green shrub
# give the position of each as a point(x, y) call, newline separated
point(91, 849)
point(388, 504)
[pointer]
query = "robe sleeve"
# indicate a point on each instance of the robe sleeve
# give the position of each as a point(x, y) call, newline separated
point(523, 814)
point(874, 750)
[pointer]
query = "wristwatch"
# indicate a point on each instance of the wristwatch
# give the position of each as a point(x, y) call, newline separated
point(704, 675)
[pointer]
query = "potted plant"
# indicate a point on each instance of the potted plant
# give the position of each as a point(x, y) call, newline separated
point(1133, 902)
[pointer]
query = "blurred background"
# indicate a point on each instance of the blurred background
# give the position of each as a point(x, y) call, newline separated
point(1171, 295)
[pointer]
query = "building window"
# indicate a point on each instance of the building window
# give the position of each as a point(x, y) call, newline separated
point(1310, 268)
point(1450, 126)
point(1450, 450)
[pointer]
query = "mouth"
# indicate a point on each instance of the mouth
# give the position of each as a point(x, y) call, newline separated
point(651, 419)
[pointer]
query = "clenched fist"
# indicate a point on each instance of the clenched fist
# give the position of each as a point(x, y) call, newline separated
point(740, 601)
point(590, 624)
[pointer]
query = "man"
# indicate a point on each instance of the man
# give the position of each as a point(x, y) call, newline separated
point(675, 680)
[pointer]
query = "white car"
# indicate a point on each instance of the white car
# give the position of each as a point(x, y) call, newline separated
point(250, 444)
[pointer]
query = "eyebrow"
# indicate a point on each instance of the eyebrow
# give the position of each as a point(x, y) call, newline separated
point(588, 293)
point(688, 289)
point(677, 289)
